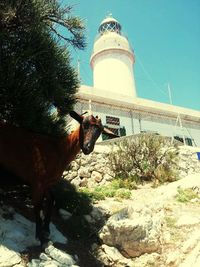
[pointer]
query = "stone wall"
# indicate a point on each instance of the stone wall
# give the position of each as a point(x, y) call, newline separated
point(94, 169)
point(91, 170)
point(188, 163)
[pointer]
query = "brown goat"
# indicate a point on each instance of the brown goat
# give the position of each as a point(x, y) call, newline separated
point(40, 160)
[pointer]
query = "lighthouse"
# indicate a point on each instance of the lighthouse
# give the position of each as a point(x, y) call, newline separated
point(112, 61)
point(113, 93)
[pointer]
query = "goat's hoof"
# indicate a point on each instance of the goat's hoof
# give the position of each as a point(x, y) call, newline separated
point(44, 239)
point(46, 245)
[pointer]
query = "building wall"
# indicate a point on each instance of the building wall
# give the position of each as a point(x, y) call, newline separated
point(137, 122)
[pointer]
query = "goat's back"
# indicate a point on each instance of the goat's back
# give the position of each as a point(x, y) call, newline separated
point(27, 154)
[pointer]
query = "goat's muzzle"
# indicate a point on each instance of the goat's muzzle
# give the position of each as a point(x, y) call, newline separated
point(87, 148)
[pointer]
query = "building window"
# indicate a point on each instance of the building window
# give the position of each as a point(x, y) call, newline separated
point(113, 124)
point(178, 138)
point(188, 141)
point(112, 120)
point(122, 131)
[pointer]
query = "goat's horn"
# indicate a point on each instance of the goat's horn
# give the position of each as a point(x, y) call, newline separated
point(109, 132)
point(84, 113)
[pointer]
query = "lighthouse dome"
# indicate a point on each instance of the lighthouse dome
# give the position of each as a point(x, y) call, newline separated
point(109, 24)
point(110, 37)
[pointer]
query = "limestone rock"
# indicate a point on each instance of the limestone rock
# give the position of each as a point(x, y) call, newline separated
point(44, 257)
point(65, 214)
point(112, 257)
point(108, 177)
point(59, 256)
point(147, 260)
point(75, 166)
point(84, 182)
point(34, 263)
point(187, 219)
point(8, 257)
point(193, 258)
point(76, 182)
point(134, 233)
point(192, 242)
point(84, 172)
point(173, 258)
point(97, 176)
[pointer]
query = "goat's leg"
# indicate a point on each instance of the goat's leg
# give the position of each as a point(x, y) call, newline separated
point(38, 220)
point(48, 211)
point(38, 201)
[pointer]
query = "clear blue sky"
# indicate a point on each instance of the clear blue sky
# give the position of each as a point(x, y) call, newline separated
point(165, 36)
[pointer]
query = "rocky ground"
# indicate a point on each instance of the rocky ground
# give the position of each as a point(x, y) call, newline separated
point(154, 228)
point(151, 229)
point(157, 227)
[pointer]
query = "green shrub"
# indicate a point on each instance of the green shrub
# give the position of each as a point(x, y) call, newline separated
point(127, 183)
point(186, 195)
point(145, 157)
point(114, 189)
point(123, 193)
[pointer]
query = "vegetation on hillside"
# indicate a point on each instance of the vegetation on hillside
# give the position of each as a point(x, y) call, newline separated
point(115, 189)
point(146, 157)
point(186, 195)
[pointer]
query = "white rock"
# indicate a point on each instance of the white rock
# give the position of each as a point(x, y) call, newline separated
point(134, 233)
point(76, 182)
point(91, 183)
point(57, 236)
point(72, 175)
point(84, 182)
point(89, 218)
point(112, 257)
point(187, 219)
point(59, 256)
point(19, 233)
point(192, 242)
point(34, 263)
point(74, 165)
point(113, 252)
point(44, 257)
point(84, 172)
point(193, 258)
point(8, 257)
point(50, 263)
point(108, 177)
point(173, 258)
point(97, 176)
point(65, 214)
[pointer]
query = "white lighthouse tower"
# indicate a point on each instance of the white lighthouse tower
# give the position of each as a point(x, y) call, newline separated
point(112, 61)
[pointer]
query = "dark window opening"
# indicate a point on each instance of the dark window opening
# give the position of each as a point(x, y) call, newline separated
point(188, 141)
point(122, 131)
point(178, 138)
point(112, 120)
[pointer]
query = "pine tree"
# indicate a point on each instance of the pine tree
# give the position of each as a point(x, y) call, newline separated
point(35, 70)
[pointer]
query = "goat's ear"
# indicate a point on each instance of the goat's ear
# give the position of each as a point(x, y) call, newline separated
point(76, 116)
point(109, 133)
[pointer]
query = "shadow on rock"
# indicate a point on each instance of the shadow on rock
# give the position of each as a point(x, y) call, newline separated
point(81, 234)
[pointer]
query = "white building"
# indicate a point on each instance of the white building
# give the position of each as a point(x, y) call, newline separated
point(113, 95)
